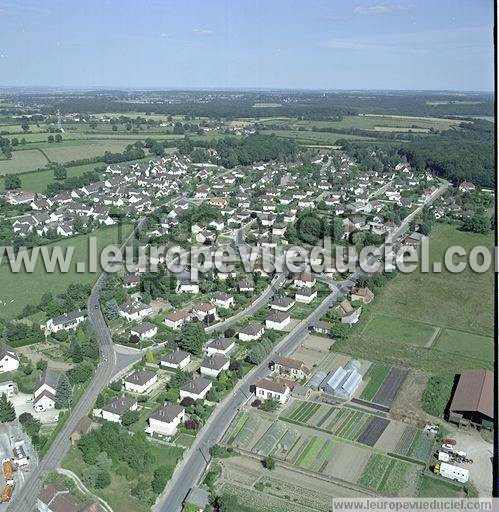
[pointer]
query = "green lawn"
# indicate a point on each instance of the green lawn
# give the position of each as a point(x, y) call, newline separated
point(461, 301)
point(465, 343)
point(27, 288)
point(433, 487)
point(393, 329)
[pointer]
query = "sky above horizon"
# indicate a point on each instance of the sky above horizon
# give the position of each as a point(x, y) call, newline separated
point(308, 44)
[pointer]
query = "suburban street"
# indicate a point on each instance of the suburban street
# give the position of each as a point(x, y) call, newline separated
point(191, 469)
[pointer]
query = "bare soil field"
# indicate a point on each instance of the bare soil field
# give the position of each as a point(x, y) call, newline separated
point(389, 438)
point(348, 463)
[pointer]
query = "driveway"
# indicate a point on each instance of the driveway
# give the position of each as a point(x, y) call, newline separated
point(481, 452)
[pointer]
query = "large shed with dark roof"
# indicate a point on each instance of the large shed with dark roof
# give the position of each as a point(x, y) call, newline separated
point(473, 399)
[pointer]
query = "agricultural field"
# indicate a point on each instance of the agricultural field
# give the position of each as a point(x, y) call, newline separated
point(382, 384)
point(390, 476)
point(372, 123)
point(14, 285)
point(21, 161)
point(339, 443)
point(38, 181)
point(358, 426)
point(439, 306)
point(283, 489)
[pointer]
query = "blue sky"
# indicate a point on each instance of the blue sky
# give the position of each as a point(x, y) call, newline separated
point(335, 44)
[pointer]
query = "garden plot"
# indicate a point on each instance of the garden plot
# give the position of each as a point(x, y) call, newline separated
point(382, 383)
point(415, 444)
point(389, 388)
point(390, 437)
point(253, 429)
point(389, 476)
point(373, 430)
point(348, 462)
point(270, 440)
point(301, 412)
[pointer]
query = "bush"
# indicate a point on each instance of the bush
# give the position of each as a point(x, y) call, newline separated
point(437, 394)
point(270, 405)
point(269, 463)
point(191, 424)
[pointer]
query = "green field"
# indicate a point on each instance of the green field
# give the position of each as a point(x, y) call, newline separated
point(434, 487)
point(411, 305)
point(37, 181)
point(393, 329)
point(27, 288)
point(465, 343)
point(26, 160)
point(372, 122)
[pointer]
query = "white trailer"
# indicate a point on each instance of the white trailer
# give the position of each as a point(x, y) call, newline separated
point(454, 472)
point(443, 456)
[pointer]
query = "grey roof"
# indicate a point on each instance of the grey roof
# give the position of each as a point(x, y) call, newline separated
point(215, 362)
point(196, 385)
point(4, 350)
point(49, 377)
point(221, 296)
point(119, 405)
point(140, 377)
point(143, 328)
point(283, 302)
point(221, 343)
point(67, 318)
point(251, 329)
point(167, 413)
point(278, 317)
point(198, 497)
point(175, 357)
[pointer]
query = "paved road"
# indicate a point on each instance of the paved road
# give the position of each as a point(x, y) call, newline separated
point(193, 466)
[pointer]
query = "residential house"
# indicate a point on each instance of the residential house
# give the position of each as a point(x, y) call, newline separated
point(9, 360)
point(220, 346)
point(166, 419)
point(282, 304)
point(290, 368)
point(177, 359)
point(115, 408)
point(349, 314)
point(177, 319)
point(305, 295)
point(44, 395)
point(135, 311)
point(144, 331)
point(67, 322)
point(323, 327)
point(363, 294)
point(205, 312)
point(251, 332)
point(278, 321)
point(278, 389)
point(223, 300)
point(213, 365)
point(140, 381)
point(196, 388)
point(304, 281)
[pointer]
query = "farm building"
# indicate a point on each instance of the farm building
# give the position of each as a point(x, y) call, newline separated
point(473, 400)
point(317, 380)
point(343, 382)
